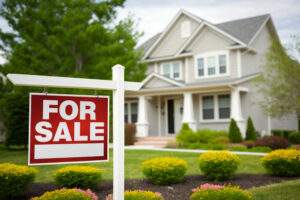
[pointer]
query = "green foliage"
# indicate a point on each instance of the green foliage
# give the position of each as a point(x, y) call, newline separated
point(218, 165)
point(294, 138)
point(282, 133)
point(164, 170)
point(130, 134)
point(14, 113)
point(64, 194)
point(273, 142)
point(226, 193)
point(14, 180)
point(253, 149)
point(234, 132)
point(78, 176)
point(142, 195)
point(283, 162)
point(204, 139)
point(280, 81)
point(250, 130)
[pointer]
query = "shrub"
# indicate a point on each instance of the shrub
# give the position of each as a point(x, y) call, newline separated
point(67, 194)
point(164, 170)
point(250, 130)
point(216, 192)
point(218, 165)
point(283, 162)
point(139, 195)
point(78, 176)
point(14, 179)
point(294, 138)
point(282, 133)
point(274, 142)
point(130, 134)
point(234, 132)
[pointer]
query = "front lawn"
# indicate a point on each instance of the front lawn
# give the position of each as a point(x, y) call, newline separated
point(249, 164)
point(289, 190)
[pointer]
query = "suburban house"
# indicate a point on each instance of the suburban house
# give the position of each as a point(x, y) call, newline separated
point(202, 74)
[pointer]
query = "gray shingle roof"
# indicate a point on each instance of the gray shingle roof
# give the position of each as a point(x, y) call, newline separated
point(242, 29)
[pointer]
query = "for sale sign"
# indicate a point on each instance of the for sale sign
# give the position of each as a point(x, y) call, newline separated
point(67, 128)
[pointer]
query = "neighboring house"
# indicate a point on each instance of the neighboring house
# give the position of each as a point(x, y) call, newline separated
point(201, 74)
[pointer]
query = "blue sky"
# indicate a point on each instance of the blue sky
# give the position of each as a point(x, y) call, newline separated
point(152, 16)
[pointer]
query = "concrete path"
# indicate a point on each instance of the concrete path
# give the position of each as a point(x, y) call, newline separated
point(134, 147)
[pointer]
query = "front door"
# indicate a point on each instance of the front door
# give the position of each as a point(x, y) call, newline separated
point(170, 108)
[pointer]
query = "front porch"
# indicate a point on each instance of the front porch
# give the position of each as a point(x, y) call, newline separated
point(161, 114)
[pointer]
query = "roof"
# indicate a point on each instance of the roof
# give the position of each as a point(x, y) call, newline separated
point(243, 29)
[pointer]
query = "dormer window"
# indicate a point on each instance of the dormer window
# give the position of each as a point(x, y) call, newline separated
point(171, 69)
point(185, 29)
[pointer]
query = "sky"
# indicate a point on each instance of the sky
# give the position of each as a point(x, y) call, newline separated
point(152, 16)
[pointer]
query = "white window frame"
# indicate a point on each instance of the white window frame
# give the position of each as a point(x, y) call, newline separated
point(172, 69)
point(185, 29)
point(216, 108)
point(129, 110)
point(209, 54)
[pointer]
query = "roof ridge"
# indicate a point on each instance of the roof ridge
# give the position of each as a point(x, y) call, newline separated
point(244, 18)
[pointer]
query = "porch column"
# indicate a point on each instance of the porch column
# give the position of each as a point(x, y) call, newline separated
point(142, 125)
point(236, 110)
point(188, 111)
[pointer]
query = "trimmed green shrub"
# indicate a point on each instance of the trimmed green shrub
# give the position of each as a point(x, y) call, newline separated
point(294, 138)
point(78, 176)
point(139, 195)
point(130, 134)
point(14, 180)
point(67, 194)
point(282, 133)
point(164, 170)
point(234, 132)
point(283, 162)
point(218, 165)
point(273, 142)
point(250, 130)
point(221, 193)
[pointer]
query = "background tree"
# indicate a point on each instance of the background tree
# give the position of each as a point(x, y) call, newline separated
point(78, 38)
point(280, 81)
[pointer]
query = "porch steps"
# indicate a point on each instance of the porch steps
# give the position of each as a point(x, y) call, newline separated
point(159, 142)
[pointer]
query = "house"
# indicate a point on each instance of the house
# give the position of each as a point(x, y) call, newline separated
point(202, 74)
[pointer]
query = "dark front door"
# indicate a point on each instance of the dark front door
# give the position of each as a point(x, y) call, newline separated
point(171, 128)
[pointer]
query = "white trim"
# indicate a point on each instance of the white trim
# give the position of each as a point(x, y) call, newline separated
point(186, 68)
point(168, 58)
point(129, 110)
point(239, 63)
point(156, 68)
point(152, 75)
point(205, 56)
point(259, 30)
point(172, 69)
point(216, 108)
point(167, 29)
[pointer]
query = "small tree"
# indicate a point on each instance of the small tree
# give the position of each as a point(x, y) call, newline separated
point(234, 132)
point(250, 131)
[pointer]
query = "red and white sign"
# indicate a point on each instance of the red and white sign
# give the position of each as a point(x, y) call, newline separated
point(68, 128)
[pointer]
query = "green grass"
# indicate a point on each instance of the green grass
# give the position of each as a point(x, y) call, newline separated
point(133, 160)
point(289, 190)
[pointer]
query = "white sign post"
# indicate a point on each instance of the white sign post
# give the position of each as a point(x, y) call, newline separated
point(118, 85)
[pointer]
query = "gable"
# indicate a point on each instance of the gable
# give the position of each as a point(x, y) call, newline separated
point(157, 83)
point(209, 40)
point(172, 41)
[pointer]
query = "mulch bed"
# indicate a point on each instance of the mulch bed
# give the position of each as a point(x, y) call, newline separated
point(180, 191)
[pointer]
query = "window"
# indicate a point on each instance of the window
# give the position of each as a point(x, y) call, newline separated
point(215, 107)
point(166, 69)
point(131, 112)
point(208, 107)
point(222, 64)
point(224, 106)
point(200, 63)
point(211, 64)
point(171, 70)
point(185, 29)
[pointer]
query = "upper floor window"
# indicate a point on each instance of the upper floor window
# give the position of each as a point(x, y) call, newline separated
point(185, 29)
point(171, 70)
point(212, 64)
